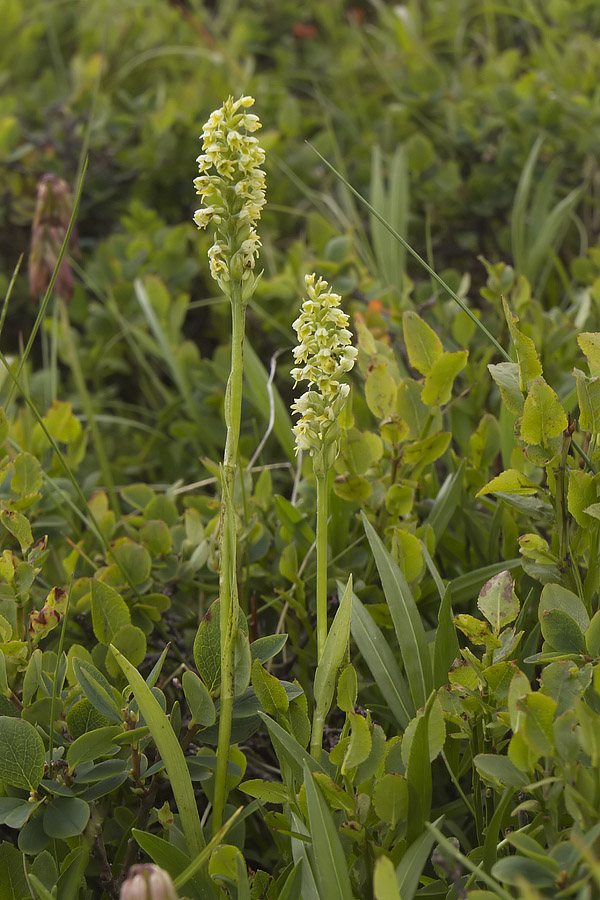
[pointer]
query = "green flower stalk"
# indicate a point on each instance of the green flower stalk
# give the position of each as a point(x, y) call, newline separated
point(232, 186)
point(323, 356)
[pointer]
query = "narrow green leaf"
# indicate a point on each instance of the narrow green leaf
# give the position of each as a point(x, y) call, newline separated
point(199, 700)
point(418, 775)
point(97, 689)
point(410, 867)
point(382, 663)
point(446, 647)
point(331, 868)
point(171, 753)
point(288, 749)
point(333, 655)
point(407, 621)
point(446, 502)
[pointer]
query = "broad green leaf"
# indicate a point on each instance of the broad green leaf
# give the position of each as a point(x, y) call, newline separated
point(536, 727)
point(410, 553)
point(381, 390)
point(589, 731)
point(405, 616)
point(499, 770)
point(590, 345)
point(510, 482)
point(543, 415)
point(109, 611)
point(582, 493)
point(477, 631)
point(436, 732)
point(18, 525)
point(44, 867)
point(97, 689)
point(498, 601)
point(390, 798)
point(28, 474)
point(269, 791)
point(422, 453)
point(331, 868)
point(92, 745)
point(506, 377)
point(133, 560)
point(359, 745)
point(265, 648)
point(385, 886)
point(437, 389)
point(65, 817)
point(171, 753)
point(131, 641)
point(588, 396)
point(382, 663)
point(516, 870)
point(527, 358)
point(13, 884)
point(565, 682)
point(555, 596)
point(413, 411)
point(21, 754)
point(207, 649)
point(269, 691)
point(156, 536)
point(199, 700)
point(347, 689)
point(562, 632)
point(422, 343)
point(592, 636)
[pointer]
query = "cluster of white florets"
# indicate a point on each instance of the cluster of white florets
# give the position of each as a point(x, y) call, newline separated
point(232, 186)
point(324, 355)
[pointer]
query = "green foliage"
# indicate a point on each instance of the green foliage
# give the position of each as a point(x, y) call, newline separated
point(446, 743)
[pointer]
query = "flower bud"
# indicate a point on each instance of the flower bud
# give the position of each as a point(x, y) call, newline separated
point(53, 209)
point(148, 882)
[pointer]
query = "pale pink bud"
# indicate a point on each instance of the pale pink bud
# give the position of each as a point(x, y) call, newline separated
point(148, 882)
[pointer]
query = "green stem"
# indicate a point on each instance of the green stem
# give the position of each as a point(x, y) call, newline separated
point(322, 498)
point(88, 407)
point(227, 564)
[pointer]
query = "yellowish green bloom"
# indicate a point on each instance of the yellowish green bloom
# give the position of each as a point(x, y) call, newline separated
point(323, 356)
point(232, 186)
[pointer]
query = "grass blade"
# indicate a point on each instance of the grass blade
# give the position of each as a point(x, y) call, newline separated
point(171, 754)
point(331, 868)
point(446, 647)
point(406, 619)
point(382, 664)
point(446, 502)
point(288, 749)
point(408, 870)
